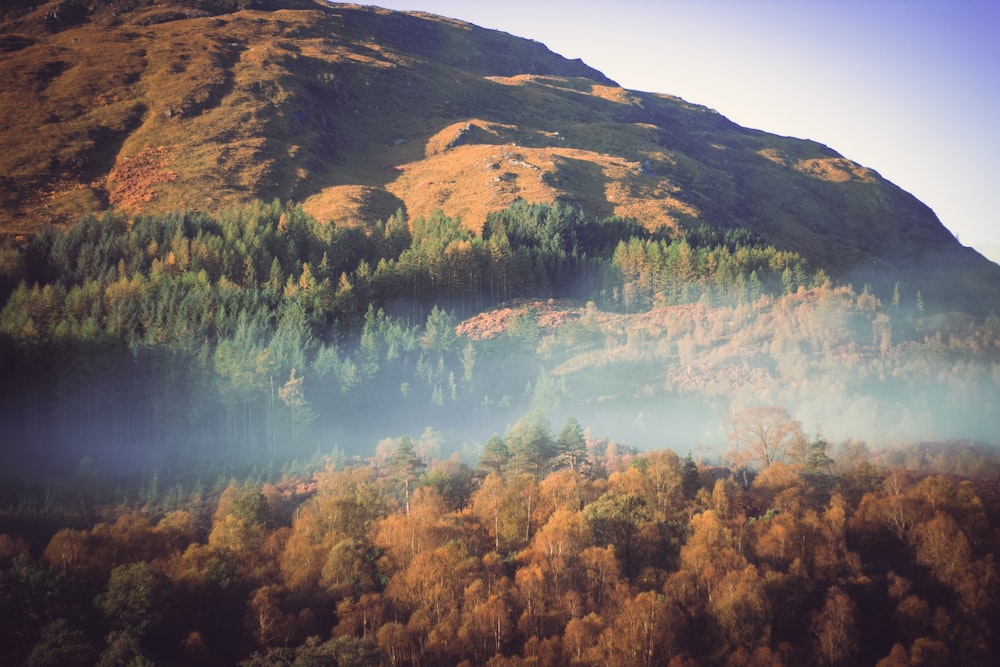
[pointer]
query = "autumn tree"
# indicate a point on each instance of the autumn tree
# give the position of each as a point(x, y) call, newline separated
point(555, 551)
point(488, 506)
point(240, 521)
point(486, 619)
point(432, 584)
point(639, 636)
point(346, 505)
point(403, 537)
point(601, 575)
point(524, 492)
point(656, 477)
point(350, 500)
point(563, 489)
point(265, 618)
point(537, 616)
point(894, 509)
point(929, 652)
point(504, 509)
point(709, 553)
point(778, 488)
point(776, 540)
point(394, 643)
point(898, 657)
point(761, 435)
point(348, 569)
point(360, 617)
point(834, 627)
point(740, 608)
point(69, 552)
point(580, 638)
point(942, 547)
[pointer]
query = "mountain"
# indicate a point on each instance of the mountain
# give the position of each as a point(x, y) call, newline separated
point(357, 112)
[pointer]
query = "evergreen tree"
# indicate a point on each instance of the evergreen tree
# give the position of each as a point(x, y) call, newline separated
point(300, 414)
point(404, 467)
point(495, 455)
point(571, 447)
point(690, 479)
point(530, 444)
point(816, 460)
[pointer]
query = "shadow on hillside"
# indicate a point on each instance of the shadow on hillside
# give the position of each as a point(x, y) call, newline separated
point(587, 180)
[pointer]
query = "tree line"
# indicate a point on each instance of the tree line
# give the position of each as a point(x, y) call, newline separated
point(241, 328)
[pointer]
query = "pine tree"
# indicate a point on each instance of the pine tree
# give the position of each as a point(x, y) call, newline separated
point(817, 462)
point(495, 455)
point(571, 447)
point(690, 479)
point(300, 411)
point(405, 466)
point(530, 444)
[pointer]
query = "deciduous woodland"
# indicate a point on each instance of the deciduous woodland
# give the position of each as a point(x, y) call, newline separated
point(252, 438)
point(553, 549)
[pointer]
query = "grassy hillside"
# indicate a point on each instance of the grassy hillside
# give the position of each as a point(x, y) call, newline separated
point(358, 112)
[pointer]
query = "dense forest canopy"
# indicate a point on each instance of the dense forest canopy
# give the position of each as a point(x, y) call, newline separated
point(554, 548)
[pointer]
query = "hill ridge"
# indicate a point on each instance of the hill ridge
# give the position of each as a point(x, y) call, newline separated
point(358, 112)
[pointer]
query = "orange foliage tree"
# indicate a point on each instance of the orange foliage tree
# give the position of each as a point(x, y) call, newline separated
point(762, 434)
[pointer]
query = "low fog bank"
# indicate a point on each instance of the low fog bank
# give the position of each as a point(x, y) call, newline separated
point(667, 379)
point(195, 346)
point(350, 433)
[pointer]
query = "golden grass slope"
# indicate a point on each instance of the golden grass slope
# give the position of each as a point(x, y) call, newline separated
point(159, 109)
point(304, 103)
point(356, 112)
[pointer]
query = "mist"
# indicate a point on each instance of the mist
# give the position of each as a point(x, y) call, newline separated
point(134, 347)
point(239, 413)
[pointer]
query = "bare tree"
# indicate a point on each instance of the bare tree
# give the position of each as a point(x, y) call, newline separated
point(762, 434)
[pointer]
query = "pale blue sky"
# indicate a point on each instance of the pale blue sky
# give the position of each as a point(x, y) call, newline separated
point(909, 88)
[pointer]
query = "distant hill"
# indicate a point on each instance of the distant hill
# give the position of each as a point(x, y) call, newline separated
point(357, 112)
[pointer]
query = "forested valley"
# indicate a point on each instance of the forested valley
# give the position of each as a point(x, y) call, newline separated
point(259, 334)
point(253, 438)
point(258, 331)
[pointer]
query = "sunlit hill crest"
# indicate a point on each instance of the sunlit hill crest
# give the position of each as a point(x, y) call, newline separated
point(358, 112)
